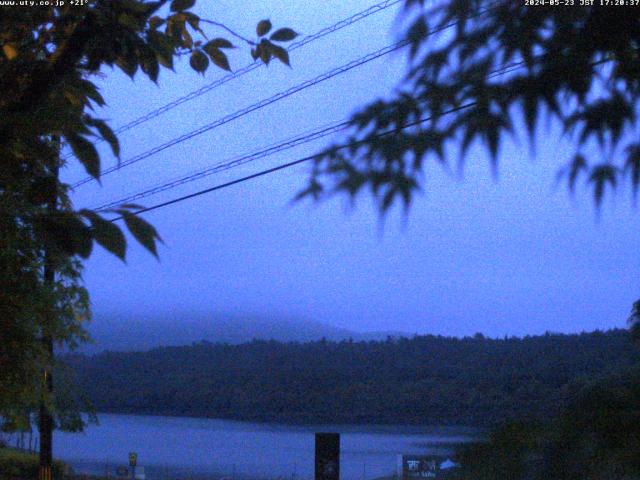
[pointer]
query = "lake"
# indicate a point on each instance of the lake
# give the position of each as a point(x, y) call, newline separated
point(177, 447)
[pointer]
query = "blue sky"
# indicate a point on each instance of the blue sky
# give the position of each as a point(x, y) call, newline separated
point(509, 256)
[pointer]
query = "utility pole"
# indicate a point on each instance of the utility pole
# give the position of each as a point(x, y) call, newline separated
point(46, 419)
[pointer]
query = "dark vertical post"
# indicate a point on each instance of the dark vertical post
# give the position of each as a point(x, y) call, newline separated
point(327, 456)
point(133, 461)
point(46, 420)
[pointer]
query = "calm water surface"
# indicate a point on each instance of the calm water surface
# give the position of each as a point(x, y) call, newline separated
point(174, 447)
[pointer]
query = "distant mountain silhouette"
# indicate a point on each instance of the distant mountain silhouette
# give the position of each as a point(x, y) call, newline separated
point(143, 332)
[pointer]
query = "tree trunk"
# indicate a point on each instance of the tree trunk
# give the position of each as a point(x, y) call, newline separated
point(46, 419)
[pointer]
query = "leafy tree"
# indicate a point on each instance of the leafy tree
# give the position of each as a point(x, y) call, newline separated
point(595, 436)
point(503, 455)
point(576, 66)
point(31, 308)
point(501, 64)
point(49, 58)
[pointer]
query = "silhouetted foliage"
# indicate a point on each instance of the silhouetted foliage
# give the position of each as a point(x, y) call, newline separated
point(597, 436)
point(423, 380)
point(27, 306)
point(503, 63)
point(16, 465)
point(50, 56)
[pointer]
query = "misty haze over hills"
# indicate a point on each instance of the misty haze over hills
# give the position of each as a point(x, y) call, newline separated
point(143, 332)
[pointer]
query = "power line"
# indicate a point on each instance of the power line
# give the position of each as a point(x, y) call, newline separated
point(265, 152)
point(254, 65)
point(505, 69)
point(251, 108)
point(291, 164)
point(235, 162)
point(263, 103)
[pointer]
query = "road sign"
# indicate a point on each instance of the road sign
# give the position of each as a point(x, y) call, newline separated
point(422, 467)
point(133, 459)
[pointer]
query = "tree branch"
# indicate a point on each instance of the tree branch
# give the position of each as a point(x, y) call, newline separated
point(237, 35)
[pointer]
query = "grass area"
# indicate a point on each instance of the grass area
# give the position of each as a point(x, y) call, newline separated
point(18, 465)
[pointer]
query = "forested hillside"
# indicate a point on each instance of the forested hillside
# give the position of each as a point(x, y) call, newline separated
point(423, 380)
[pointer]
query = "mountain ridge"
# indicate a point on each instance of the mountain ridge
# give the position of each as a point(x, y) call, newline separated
point(121, 332)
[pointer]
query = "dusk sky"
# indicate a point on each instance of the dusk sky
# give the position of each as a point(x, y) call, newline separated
point(512, 256)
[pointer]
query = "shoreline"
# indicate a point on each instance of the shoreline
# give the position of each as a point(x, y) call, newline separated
point(371, 427)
